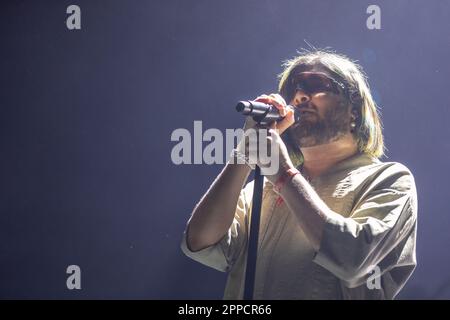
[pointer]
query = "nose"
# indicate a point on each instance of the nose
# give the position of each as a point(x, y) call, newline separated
point(301, 97)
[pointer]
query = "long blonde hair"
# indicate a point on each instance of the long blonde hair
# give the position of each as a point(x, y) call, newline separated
point(368, 131)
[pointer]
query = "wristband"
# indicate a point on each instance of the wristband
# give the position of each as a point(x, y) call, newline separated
point(285, 177)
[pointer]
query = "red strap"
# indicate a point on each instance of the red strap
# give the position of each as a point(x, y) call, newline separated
point(286, 176)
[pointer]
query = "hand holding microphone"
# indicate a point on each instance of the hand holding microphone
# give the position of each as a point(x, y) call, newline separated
point(267, 112)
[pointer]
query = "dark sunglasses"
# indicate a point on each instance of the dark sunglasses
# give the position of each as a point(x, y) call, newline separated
point(315, 82)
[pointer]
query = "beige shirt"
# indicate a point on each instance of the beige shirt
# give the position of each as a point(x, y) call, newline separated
point(376, 231)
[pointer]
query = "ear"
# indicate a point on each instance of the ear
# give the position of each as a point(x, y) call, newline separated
point(354, 114)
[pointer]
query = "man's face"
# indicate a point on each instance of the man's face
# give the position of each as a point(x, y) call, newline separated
point(324, 115)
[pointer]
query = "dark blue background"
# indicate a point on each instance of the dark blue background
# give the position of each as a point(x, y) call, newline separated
point(86, 117)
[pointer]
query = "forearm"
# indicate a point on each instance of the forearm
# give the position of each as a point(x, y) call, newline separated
point(213, 215)
point(309, 209)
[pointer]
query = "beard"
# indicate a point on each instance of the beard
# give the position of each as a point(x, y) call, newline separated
point(312, 130)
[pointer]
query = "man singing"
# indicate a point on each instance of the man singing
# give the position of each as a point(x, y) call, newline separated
point(336, 222)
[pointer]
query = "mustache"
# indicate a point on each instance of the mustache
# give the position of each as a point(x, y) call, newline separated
point(308, 105)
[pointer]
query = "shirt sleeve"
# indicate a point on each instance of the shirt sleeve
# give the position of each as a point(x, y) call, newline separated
point(379, 232)
point(222, 255)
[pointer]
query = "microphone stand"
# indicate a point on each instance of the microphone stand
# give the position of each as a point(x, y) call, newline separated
point(261, 113)
point(254, 233)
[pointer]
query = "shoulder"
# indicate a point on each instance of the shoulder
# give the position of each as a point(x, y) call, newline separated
point(388, 181)
point(388, 187)
point(372, 171)
point(372, 177)
point(394, 175)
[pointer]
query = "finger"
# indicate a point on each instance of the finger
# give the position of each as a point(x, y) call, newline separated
point(279, 99)
point(286, 122)
point(281, 103)
point(273, 101)
point(263, 96)
point(265, 99)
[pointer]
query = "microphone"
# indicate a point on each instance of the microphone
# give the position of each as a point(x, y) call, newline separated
point(263, 113)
